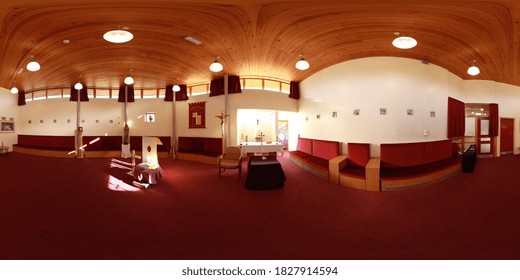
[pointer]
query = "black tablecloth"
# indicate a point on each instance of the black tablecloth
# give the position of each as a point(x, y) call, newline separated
point(264, 173)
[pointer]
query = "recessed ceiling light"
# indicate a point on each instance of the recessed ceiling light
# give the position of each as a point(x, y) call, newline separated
point(66, 41)
point(193, 40)
point(118, 36)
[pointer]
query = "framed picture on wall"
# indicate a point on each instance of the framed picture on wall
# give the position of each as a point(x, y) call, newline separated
point(7, 126)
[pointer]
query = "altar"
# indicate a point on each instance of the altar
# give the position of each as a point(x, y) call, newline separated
point(261, 147)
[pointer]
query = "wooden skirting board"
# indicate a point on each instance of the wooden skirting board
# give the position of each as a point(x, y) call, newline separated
point(213, 160)
point(387, 185)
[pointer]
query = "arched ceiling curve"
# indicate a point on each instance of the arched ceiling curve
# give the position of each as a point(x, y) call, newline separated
point(251, 38)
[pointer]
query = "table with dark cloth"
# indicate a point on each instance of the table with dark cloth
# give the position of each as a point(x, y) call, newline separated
point(264, 173)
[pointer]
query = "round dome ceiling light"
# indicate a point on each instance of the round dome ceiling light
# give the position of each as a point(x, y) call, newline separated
point(404, 42)
point(473, 69)
point(302, 64)
point(216, 66)
point(118, 36)
point(33, 66)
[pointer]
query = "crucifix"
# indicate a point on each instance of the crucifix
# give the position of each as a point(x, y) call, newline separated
point(222, 118)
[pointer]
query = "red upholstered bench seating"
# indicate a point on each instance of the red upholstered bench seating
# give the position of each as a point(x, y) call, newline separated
point(410, 164)
point(315, 155)
point(357, 170)
point(106, 146)
point(46, 142)
point(201, 149)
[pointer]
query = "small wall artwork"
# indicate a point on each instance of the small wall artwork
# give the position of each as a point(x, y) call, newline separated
point(334, 114)
point(7, 126)
point(149, 117)
point(356, 112)
point(432, 114)
point(409, 112)
point(382, 111)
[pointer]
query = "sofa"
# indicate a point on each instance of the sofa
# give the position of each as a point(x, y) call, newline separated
point(200, 149)
point(315, 156)
point(405, 165)
point(357, 169)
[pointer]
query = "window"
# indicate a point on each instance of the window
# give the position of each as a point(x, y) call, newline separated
point(199, 89)
point(149, 93)
point(253, 84)
point(271, 85)
point(39, 95)
point(103, 93)
point(54, 93)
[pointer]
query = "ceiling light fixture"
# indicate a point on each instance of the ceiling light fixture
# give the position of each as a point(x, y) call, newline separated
point(78, 86)
point(473, 69)
point(302, 64)
point(404, 42)
point(129, 80)
point(33, 66)
point(14, 90)
point(176, 88)
point(121, 35)
point(216, 66)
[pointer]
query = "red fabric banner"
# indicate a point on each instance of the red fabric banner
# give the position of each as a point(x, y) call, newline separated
point(197, 115)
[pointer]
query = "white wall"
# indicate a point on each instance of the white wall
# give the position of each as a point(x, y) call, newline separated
point(369, 84)
point(8, 110)
point(98, 117)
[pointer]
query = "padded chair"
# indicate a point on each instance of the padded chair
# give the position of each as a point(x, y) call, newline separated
point(230, 159)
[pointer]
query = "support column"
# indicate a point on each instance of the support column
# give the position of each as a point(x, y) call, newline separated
point(125, 148)
point(79, 129)
point(174, 129)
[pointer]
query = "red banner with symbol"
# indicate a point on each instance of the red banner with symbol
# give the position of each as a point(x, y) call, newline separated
point(197, 115)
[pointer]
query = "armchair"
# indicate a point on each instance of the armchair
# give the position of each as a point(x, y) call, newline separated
point(230, 159)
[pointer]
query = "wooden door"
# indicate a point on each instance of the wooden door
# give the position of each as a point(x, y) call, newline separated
point(506, 136)
point(484, 140)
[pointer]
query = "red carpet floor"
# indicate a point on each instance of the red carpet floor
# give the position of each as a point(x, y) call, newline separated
point(64, 209)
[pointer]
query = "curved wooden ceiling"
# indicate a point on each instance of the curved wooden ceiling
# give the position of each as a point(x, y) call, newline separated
point(251, 38)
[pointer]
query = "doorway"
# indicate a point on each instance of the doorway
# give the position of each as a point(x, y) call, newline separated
point(283, 133)
point(506, 136)
point(478, 129)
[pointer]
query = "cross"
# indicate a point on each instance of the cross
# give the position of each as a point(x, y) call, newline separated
point(197, 118)
point(222, 117)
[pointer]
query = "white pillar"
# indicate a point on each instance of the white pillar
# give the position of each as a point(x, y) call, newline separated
point(79, 130)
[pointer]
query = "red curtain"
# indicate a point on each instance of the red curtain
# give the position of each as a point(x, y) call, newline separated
point(130, 97)
point(456, 118)
point(168, 94)
point(21, 98)
point(493, 119)
point(182, 94)
point(234, 84)
point(83, 94)
point(294, 90)
point(216, 87)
